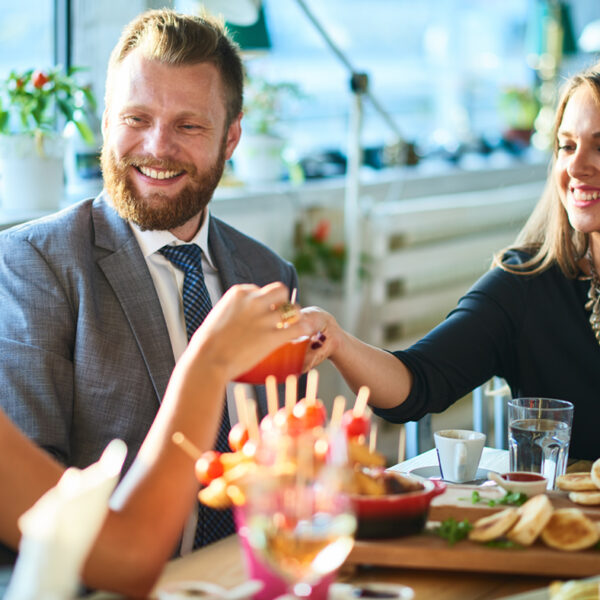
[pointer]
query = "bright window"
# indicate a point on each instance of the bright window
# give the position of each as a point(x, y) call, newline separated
point(26, 35)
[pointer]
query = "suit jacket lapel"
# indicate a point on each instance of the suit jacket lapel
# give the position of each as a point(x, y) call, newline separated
point(227, 257)
point(126, 271)
point(232, 270)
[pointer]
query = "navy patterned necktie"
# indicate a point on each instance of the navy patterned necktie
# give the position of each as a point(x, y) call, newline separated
point(212, 524)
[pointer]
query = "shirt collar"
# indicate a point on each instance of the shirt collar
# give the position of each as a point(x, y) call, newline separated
point(151, 242)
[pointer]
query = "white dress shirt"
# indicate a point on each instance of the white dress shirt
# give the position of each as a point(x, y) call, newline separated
point(168, 281)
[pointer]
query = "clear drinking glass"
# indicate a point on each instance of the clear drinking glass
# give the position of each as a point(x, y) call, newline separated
point(539, 432)
point(298, 517)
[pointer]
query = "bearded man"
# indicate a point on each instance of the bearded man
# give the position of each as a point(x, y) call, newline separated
point(92, 317)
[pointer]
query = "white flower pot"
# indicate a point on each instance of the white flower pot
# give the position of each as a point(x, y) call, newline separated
point(258, 158)
point(31, 181)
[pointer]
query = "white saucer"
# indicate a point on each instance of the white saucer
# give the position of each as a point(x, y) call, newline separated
point(433, 472)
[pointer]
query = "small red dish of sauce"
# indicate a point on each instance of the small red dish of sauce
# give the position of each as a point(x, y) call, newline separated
point(522, 476)
point(521, 482)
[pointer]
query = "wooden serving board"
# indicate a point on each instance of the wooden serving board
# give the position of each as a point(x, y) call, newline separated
point(429, 551)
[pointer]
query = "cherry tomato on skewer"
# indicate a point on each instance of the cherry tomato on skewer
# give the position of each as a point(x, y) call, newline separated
point(238, 436)
point(355, 426)
point(288, 423)
point(311, 415)
point(209, 467)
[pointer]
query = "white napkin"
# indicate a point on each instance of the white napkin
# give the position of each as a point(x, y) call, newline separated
point(60, 528)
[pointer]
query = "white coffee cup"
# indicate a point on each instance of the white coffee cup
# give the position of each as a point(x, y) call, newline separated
point(459, 452)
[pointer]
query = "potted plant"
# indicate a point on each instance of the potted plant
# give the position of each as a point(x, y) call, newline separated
point(32, 104)
point(318, 257)
point(320, 261)
point(519, 108)
point(259, 155)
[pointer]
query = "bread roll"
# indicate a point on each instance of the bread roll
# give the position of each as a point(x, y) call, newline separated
point(589, 497)
point(493, 526)
point(575, 482)
point(570, 529)
point(533, 517)
point(595, 473)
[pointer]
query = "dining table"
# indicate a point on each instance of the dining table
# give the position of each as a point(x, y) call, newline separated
point(222, 562)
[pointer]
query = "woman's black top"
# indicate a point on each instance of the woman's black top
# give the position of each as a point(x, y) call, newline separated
point(532, 330)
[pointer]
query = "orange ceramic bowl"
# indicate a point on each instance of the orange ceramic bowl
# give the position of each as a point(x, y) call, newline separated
point(395, 515)
point(286, 360)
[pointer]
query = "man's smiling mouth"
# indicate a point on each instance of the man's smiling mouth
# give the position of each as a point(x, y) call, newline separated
point(154, 174)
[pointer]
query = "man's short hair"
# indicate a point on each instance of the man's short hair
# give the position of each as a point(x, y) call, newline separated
point(177, 39)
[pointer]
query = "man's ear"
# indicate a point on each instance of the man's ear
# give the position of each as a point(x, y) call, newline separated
point(233, 136)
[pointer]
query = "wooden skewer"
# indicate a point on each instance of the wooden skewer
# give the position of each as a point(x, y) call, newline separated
point(294, 294)
point(272, 395)
point(402, 444)
point(291, 392)
point(312, 383)
point(339, 405)
point(373, 438)
point(361, 401)
point(239, 393)
point(190, 449)
point(253, 430)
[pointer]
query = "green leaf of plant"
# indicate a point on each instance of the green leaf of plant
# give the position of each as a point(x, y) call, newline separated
point(86, 133)
point(4, 117)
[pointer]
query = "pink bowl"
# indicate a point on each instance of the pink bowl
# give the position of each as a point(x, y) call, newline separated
point(274, 586)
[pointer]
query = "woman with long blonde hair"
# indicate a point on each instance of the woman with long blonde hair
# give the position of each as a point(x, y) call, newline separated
point(533, 319)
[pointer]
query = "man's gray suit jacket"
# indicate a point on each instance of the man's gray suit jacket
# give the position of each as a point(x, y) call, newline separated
point(85, 354)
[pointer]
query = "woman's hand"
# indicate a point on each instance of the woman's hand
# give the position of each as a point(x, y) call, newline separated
point(327, 339)
point(245, 326)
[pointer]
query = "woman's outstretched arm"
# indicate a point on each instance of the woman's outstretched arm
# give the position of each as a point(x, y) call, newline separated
point(388, 378)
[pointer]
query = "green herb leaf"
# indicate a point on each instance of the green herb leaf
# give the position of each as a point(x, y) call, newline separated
point(510, 498)
point(513, 499)
point(453, 530)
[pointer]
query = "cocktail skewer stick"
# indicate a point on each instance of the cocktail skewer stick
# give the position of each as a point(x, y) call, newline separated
point(293, 297)
point(339, 405)
point(272, 394)
point(253, 430)
point(239, 393)
point(361, 401)
point(190, 449)
point(312, 383)
point(373, 438)
point(402, 444)
point(291, 393)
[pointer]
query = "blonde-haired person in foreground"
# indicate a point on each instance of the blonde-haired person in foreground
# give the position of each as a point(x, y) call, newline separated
point(533, 319)
point(157, 494)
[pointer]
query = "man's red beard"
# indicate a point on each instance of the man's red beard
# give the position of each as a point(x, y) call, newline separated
point(159, 211)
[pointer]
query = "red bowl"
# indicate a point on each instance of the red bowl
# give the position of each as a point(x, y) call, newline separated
point(285, 360)
point(395, 515)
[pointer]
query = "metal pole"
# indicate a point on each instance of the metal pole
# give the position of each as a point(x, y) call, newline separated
point(352, 220)
point(344, 59)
